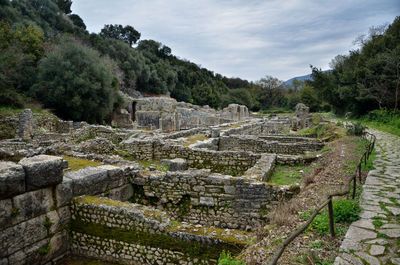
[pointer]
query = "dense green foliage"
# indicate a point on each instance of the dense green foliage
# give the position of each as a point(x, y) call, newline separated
point(20, 50)
point(344, 211)
point(76, 82)
point(356, 128)
point(367, 78)
point(31, 31)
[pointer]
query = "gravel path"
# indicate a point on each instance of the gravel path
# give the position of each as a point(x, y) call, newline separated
point(375, 238)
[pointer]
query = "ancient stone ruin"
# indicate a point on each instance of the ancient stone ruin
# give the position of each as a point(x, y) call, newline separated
point(183, 185)
point(169, 115)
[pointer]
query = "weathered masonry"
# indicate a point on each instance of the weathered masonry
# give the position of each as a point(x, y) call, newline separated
point(36, 216)
point(210, 192)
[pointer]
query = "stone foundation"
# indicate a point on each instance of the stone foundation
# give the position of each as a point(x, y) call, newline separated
point(136, 234)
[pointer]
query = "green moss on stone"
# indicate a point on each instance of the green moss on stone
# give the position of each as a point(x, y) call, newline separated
point(191, 248)
point(79, 163)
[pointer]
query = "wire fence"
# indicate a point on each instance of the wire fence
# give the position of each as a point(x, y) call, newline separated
point(345, 191)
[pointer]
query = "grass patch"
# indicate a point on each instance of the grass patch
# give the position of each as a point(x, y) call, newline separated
point(155, 164)
point(236, 125)
point(344, 211)
point(225, 258)
point(8, 111)
point(194, 139)
point(287, 175)
point(79, 163)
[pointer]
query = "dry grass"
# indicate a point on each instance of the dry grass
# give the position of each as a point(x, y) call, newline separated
point(285, 214)
point(311, 178)
point(236, 125)
point(286, 218)
point(194, 139)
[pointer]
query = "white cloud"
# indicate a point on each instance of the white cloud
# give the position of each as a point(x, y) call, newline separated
point(247, 39)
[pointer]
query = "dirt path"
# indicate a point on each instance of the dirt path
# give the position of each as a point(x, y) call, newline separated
point(375, 238)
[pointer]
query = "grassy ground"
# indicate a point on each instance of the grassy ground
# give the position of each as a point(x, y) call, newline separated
point(193, 139)
point(287, 175)
point(389, 128)
point(381, 120)
point(156, 164)
point(79, 163)
point(314, 246)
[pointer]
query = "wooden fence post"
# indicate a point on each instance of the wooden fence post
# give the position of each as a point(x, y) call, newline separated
point(331, 219)
point(365, 158)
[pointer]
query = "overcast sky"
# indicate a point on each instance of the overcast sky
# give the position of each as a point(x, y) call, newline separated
point(246, 38)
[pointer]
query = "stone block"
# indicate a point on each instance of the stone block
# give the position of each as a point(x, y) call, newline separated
point(122, 193)
point(116, 176)
point(42, 171)
point(30, 254)
point(64, 192)
point(89, 181)
point(59, 245)
point(22, 235)
point(4, 261)
point(12, 179)
point(32, 204)
point(65, 215)
point(206, 201)
point(6, 213)
point(175, 164)
point(55, 221)
point(26, 126)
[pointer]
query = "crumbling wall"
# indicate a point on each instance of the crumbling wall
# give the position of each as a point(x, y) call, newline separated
point(259, 145)
point(168, 115)
point(32, 221)
point(225, 162)
point(199, 197)
point(135, 234)
point(35, 198)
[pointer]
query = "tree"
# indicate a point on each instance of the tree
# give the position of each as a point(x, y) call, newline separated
point(77, 83)
point(20, 51)
point(77, 20)
point(127, 33)
point(270, 92)
point(65, 5)
point(130, 35)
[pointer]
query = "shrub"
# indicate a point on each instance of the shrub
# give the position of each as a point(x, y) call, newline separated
point(344, 211)
point(77, 83)
point(225, 258)
point(356, 129)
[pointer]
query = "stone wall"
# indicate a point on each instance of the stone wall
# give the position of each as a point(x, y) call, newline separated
point(32, 222)
point(289, 138)
point(263, 169)
point(259, 145)
point(199, 197)
point(35, 198)
point(136, 234)
point(259, 127)
point(218, 161)
point(169, 115)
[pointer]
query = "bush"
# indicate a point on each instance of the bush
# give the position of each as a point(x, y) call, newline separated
point(356, 129)
point(344, 211)
point(225, 258)
point(77, 83)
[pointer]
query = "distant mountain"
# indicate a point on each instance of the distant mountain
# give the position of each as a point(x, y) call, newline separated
point(300, 78)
